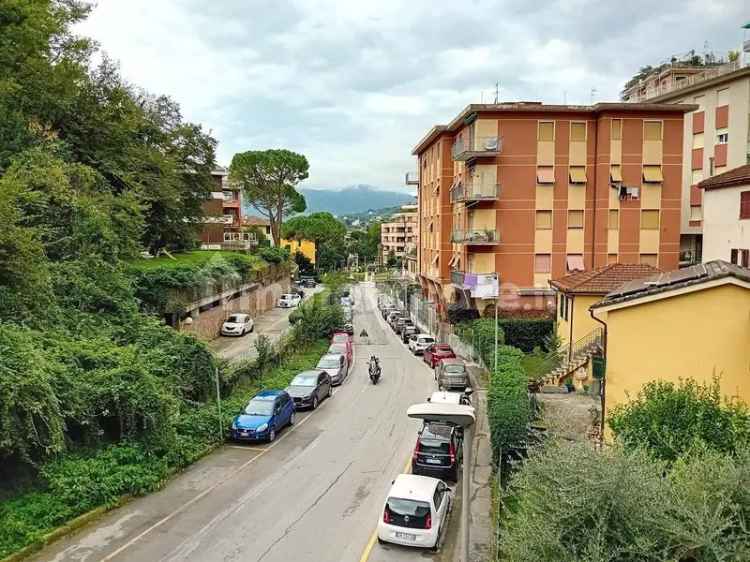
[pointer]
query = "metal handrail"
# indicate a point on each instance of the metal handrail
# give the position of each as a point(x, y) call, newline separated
point(594, 337)
point(492, 143)
point(474, 236)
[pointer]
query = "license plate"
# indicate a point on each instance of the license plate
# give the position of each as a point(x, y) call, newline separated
point(406, 536)
point(432, 461)
point(244, 432)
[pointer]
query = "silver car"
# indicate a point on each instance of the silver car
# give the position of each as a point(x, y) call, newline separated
point(452, 373)
point(335, 365)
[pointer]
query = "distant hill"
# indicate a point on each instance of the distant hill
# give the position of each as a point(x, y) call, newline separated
point(353, 199)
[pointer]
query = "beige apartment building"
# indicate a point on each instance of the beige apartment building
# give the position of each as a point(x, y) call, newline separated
point(533, 192)
point(399, 236)
point(716, 134)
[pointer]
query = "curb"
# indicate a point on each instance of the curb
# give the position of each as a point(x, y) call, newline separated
point(84, 519)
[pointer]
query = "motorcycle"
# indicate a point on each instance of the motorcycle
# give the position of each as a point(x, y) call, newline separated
point(374, 370)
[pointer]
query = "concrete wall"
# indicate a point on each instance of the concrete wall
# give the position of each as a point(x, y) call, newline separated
point(699, 335)
point(722, 229)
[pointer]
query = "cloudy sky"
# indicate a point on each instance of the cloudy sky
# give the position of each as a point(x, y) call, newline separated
point(354, 85)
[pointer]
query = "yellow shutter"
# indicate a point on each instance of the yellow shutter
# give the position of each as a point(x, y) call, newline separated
point(578, 131)
point(616, 129)
point(650, 220)
point(546, 131)
point(615, 173)
point(575, 219)
point(544, 219)
point(614, 219)
point(652, 174)
point(649, 259)
point(652, 130)
point(545, 174)
point(577, 174)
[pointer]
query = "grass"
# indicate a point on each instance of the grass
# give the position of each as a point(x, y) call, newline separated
point(193, 258)
point(537, 365)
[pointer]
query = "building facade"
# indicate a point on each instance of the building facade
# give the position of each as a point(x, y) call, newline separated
point(534, 192)
point(222, 212)
point(716, 137)
point(726, 216)
point(400, 234)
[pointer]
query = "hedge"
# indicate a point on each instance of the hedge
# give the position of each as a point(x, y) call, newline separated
point(508, 409)
point(526, 334)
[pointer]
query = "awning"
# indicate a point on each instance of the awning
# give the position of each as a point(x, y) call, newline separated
point(545, 174)
point(575, 263)
point(435, 259)
point(577, 174)
point(615, 173)
point(652, 174)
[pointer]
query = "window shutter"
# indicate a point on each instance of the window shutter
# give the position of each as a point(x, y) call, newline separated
point(745, 205)
point(733, 256)
point(745, 258)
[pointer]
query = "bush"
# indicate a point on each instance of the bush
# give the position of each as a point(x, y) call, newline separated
point(508, 408)
point(274, 254)
point(457, 313)
point(480, 334)
point(526, 334)
point(671, 419)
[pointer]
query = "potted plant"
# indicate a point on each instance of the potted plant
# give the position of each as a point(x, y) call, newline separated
point(568, 382)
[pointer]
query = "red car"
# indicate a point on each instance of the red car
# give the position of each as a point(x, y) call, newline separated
point(342, 338)
point(436, 353)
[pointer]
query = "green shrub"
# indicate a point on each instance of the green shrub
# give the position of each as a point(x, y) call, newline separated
point(670, 419)
point(274, 254)
point(480, 334)
point(508, 408)
point(527, 333)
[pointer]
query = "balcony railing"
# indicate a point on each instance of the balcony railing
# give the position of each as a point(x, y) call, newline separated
point(476, 147)
point(475, 237)
point(412, 178)
point(231, 203)
point(475, 191)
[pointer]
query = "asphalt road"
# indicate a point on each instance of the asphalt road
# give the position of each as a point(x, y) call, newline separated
point(314, 495)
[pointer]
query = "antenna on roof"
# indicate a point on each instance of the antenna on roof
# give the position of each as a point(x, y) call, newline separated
point(593, 93)
point(497, 92)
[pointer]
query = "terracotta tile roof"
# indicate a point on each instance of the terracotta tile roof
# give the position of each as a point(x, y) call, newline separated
point(673, 280)
point(730, 178)
point(251, 220)
point(602, 280)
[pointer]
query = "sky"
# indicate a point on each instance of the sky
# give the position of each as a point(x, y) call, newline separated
point(354, 85)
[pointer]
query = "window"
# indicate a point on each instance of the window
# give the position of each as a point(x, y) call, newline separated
point(652, 130)
point(544, 220)
point(722, 137)
point(615, 173)
point(740, 257)
point(697, 177)
point(745, 205)
point(578, 132)
point(614, 219)
point(563, 307)
point(542, 263)
point(696, 213)
point(649, 259)
point(575, 219)
point(546, 131)
point(698, 141)
point(545, 174)
point(652, 174)
point(577, 174)
point(227, 236)
point(611, 258)
point(722, 97)
point(650, 220)
point(574, 262)
point(616, 129)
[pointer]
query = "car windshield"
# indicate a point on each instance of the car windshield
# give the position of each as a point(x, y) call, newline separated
point(305, 380)
point(426, 340)
point(329, 363)
point(340, 338)
point(237, 318)
point(259, 408)
point(454, 368)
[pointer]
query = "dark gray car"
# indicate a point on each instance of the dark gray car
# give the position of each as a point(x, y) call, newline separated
point(310, 388)
point(452, 373)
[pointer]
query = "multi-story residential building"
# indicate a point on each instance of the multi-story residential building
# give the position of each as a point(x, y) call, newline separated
point(223, 212)
point(726, 216)
point(533, 192)
point(716, 135)
point(400, 234)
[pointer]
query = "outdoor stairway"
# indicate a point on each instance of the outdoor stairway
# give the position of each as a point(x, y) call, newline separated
point(576, 356)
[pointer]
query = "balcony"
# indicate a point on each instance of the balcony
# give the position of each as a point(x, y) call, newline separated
point(412, 178)
point(475, 237)
point(476, 147)
point(475, 191)
point(231, 203)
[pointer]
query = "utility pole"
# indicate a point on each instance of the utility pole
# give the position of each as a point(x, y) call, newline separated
point(218, 404)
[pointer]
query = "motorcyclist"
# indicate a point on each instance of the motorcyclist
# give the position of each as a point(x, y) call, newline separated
point(374, 366)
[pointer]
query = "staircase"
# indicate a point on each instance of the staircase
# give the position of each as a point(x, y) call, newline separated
point(576, 356)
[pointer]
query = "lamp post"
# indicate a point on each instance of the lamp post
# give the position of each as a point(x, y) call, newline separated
point(464, 417)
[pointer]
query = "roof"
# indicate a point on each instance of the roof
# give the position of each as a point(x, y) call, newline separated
point(699, 85)
point(664, 283)
point(730, 178)
point(250, 220)
point(603, 280)
point(411, 486)
point(536, 107)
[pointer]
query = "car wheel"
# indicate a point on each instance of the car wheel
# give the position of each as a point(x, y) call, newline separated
point(252, 328)
point(330, 391)
point(243, 333)
point(291, 418)
point(272, 435)
point(380, 541)
point(315, 402)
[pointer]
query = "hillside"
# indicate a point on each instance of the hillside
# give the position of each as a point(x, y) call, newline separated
point(353, 199)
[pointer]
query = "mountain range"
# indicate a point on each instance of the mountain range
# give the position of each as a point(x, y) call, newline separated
point(353, 199)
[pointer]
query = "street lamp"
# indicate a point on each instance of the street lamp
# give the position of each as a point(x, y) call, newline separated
point(464, 417)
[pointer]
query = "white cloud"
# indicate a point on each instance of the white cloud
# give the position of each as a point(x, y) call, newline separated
point(355, 85)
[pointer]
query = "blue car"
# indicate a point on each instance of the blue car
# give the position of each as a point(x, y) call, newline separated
point(264, 416)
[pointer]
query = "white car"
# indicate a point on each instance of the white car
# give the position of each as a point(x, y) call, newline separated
point(289, 300)
point(415, 511)
point(420, 343)
point(237, 325)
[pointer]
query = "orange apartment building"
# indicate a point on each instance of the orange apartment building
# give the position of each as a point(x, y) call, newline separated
point(222, 211)
point(533, 192)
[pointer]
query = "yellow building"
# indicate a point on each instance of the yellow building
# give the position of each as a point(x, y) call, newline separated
point(690, 323)
point(307, 247)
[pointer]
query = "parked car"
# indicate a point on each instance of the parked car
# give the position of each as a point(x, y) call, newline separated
point(452, 373)
point(310, 388)
point(346, 339)
point(308, 282)
point(237, 325)
point(386, 311)
point(264, 416)
point(289, 300)
point(407, 332)
point(445, 397)
point(415, 511)
point(420, 343)
point(393, 318)
point(341, 348)
point(438, 451)
point(401, 323)
point(335, 365)
point(435, 353)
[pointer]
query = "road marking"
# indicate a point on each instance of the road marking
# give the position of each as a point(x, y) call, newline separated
point(204, 493)
point(245, 448)
point(371, 543)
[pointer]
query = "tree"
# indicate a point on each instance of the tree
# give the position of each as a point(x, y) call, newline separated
point(328, 233)
point(365, 243)
point(268, 179)
point(303, 262)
